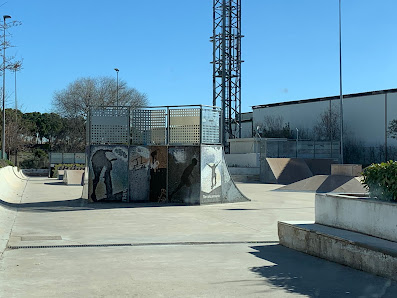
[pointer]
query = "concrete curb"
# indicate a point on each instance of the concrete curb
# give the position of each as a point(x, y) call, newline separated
point(366, 255)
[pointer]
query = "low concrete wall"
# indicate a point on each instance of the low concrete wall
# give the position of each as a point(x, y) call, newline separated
point(346, 170)
point(244, 171)
point(337, 249)
point(35, 172)
point(244, 145)
point(248, 160)
point(371, 217)
point(60, 174)
point(73, 177)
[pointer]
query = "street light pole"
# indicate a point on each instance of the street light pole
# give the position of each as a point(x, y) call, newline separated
point(340, 82)
point(117, 88)
point(3, 138)
point(16, 101)
point(16, 66)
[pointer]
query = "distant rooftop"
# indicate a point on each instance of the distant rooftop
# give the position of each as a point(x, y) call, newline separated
point(325, 98)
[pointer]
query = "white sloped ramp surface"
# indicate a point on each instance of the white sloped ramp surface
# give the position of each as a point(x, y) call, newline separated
point(12, 185)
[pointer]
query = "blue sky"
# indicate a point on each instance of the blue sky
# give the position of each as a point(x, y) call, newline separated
point(162, 48)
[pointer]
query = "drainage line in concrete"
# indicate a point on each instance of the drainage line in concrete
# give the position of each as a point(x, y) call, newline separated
point(141, 244)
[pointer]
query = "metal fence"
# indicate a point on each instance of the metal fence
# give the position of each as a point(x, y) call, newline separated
point(67, 158)
point(283, 148)
point(168, 125)
point(353, 153)
point(367, 155)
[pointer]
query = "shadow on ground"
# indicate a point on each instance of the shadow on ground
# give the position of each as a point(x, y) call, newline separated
point(297, 272)
point(76, 205)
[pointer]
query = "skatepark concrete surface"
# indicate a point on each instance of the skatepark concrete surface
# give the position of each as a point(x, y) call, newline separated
point(61, 246)
point(327, 183)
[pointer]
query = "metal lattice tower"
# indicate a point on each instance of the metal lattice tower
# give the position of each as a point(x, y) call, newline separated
point(226, 40)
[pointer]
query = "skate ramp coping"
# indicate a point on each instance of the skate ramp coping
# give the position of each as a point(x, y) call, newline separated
point(73, 177)
point(328, 183)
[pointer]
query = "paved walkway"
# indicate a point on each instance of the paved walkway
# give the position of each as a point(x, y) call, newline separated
point(65, 247)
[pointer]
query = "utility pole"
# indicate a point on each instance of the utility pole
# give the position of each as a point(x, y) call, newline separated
point(3, 138)
point(340, 82)
point(117, 86)
point(16, 67)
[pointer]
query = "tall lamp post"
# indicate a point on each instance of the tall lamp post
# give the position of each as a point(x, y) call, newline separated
point(16, 67)
point(3, 138)
point(117, 88)
point(340, 82)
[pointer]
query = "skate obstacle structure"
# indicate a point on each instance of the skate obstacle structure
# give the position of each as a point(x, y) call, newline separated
point(170, 154)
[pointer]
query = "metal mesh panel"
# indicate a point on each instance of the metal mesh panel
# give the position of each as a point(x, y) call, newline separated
point(109, 125)
point(210, 126)
point(148, 127)
point(184, 126)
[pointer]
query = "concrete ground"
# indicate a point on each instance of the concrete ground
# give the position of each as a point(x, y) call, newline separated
point(61, 246)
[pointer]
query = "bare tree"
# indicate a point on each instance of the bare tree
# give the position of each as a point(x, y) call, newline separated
point(16, 133)
point(327, 126)
point(78, 96)
point(392, 129)
point(10, 60)
point(274, 127)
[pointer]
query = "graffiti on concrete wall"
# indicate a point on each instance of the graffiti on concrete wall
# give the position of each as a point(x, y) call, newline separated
point(108, 166)
point(211, 174)
point(178, 174)
point(158, 174)
point(139, 173)
point(184, 175)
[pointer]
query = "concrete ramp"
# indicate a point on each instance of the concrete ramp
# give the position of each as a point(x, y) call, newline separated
point(327, 183)
point(284, 170)
point(229, 191)
point(12, 182)
point(12, 185)
point(320, 166)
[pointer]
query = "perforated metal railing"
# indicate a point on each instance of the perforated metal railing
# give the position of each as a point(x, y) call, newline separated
point(109, 125)
point(167, 125)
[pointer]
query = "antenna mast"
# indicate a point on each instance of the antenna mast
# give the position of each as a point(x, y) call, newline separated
point(226, 63)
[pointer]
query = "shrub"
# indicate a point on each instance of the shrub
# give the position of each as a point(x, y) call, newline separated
point(38, 160)
point(381, 180)
point(5, 163)
point(67, 167)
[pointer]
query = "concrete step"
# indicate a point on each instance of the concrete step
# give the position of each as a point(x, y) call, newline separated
point(244, 171)
point(356, 250)
point(245, 178)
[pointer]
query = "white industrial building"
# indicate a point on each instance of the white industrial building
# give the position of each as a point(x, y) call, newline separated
point(366, 116)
